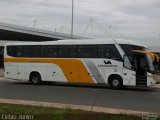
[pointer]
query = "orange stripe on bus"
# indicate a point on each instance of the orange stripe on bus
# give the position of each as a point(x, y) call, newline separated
point(73, 69)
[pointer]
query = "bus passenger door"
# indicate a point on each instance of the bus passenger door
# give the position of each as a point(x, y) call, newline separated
point(141, 69)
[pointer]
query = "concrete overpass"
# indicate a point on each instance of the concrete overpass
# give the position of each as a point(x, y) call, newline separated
point(22, 33)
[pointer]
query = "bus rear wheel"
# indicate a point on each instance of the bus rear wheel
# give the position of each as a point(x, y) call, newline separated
point(35, 78)
point(115, 82)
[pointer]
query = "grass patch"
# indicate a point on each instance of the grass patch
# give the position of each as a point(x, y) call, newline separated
point(48, 113)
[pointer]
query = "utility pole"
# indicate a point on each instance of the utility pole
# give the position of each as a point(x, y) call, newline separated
point(72, 20)
point(55, 32)
point(34, 23)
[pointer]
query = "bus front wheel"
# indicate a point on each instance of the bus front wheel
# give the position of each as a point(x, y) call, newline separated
point(115, 82)
point(35, 78)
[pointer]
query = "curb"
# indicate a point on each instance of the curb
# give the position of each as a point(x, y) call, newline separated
point(76, 107)
point(157, 86)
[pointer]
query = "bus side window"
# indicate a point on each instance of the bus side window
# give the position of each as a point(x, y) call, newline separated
point(49, 51)
point(28, 51)
point(87, 51)
point(31, 51)
point(37, 51)
point(11, 51)
point(19, 52)
point(109, 51)
point(68, 51)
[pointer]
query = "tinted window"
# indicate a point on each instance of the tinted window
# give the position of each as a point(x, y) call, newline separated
point(68, 51)
point(31, 51)
point(19, 52)
point(23, 51)
point(108, 51)
point(1, 50)
point(65, 51)
point(11, 51)
point(87, 51)
point(127, 48)
point(49, 51)
point(37, 51)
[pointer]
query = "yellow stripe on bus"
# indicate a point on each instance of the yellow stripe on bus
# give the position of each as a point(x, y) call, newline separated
point(73, 69)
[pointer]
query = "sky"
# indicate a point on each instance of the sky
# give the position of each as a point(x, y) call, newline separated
point(138, 20)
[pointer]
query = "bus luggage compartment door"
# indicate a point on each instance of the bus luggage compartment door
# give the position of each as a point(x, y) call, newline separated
point(20, 73)
point(11, 71)
point(54, 74)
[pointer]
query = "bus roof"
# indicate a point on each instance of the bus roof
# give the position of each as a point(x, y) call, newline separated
point(80, 41)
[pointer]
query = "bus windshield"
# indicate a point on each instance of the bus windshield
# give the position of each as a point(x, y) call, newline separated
point(139, 62)
point(134, 57)
point(128, 48)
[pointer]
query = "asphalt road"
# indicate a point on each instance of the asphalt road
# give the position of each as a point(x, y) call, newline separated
point(147, 100)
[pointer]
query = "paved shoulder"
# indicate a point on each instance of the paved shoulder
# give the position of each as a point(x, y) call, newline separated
point(2, 78)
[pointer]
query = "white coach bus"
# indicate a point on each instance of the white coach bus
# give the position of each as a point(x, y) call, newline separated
point(110, 62)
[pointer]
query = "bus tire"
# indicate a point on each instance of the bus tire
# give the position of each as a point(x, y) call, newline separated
point(35, 78)
point(115, 82)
